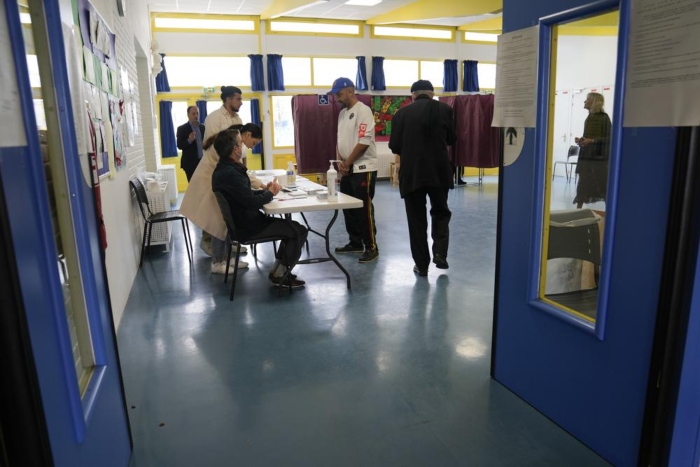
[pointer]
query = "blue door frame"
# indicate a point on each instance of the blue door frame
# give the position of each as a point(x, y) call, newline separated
point(590, 380)
point(92, 429)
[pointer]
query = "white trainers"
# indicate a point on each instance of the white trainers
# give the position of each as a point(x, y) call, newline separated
point(220, 268)
point(244, 250)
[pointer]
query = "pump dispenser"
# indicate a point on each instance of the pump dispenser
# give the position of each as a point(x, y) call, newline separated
point(331, 177)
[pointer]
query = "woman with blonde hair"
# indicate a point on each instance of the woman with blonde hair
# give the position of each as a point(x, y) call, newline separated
point(592, 165)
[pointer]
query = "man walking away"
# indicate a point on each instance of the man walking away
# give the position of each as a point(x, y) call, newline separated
point(420, 134)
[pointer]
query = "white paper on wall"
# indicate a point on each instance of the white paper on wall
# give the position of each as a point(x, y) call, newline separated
point(516, 79)
point(663, 75)
point(12, 129)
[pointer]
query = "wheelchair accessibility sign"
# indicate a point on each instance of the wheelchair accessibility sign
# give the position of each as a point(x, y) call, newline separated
point(323, 99)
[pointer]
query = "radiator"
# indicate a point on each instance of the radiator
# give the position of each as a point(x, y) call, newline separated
point(383, 163)
point(169, 174)
point(159, 201)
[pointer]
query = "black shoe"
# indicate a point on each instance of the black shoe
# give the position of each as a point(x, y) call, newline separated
point(461, 182)
point(350, 248)
point(276, 279)
point(369, 256)
point(440, 262)
point(419, 272)
point(295, 282)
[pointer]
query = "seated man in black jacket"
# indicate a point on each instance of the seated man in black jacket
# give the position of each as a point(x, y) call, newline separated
point(231, 179)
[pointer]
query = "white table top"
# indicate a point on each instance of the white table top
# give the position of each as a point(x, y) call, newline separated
point(286, 204)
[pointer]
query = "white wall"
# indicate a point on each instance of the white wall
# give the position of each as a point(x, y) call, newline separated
point(586, 61)
point(123, 236)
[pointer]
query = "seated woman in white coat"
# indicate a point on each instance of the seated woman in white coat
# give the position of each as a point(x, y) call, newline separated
point(199, 204)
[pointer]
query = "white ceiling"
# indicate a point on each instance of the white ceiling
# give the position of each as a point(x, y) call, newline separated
point(333, 9)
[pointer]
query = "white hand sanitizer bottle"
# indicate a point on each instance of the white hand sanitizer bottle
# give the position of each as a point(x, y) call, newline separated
point(331, 177)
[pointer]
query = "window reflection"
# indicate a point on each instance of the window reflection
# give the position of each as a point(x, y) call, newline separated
point(584, 54)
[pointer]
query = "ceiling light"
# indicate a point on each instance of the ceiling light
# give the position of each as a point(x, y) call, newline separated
point(363, 2)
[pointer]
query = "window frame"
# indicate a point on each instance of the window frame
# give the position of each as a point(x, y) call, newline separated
point(309, 22)
point(412, 27)
point(205, 17)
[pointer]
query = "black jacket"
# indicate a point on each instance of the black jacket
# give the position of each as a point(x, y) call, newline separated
point(420, 134)
point(189, 160)
point(231, 179)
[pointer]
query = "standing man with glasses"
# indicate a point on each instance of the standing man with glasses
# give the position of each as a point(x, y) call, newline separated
point(357, 165)
point(189, 140)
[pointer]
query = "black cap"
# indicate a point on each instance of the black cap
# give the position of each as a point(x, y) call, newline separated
point(422, 85)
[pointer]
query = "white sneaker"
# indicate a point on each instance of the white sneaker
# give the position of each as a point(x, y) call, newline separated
point(220, 268)
point(244, 250)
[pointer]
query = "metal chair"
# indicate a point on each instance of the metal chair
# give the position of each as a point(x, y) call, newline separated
point(568, 165)
point(150, 218)
point(232, 240)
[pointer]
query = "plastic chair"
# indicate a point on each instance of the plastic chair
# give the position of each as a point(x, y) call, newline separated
point(576, 234)
point(568, 165)
point(232, 240)
point(158, 218)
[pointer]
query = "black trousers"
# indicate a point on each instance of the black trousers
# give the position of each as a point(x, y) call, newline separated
point(360, 222)
point(293, 234)
point(440, 216)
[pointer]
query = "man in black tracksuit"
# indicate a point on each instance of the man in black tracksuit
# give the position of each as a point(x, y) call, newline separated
point(420, 134)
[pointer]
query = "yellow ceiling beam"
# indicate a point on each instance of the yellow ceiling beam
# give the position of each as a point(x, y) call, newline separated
point(431, 9)
point(281, 7)
point(490, 24)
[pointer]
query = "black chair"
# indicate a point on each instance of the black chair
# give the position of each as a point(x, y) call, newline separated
point(568, 164)
point(232, 241)
point(158, 218)
point(576, 234)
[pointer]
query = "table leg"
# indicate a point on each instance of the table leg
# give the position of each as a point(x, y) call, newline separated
point(328, 247)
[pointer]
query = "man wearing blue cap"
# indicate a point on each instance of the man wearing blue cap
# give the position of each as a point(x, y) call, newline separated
point(420, 134)
point(358, 167)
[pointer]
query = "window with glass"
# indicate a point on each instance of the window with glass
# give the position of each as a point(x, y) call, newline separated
point(297, 71)
point(413, 32)
point(200, 71)
point(578, 153)
point(487, 75)
point(211, 23)
point(400, 73)
point(312, 27)
point(433, 71)
point(282, 122)
point(326, 70)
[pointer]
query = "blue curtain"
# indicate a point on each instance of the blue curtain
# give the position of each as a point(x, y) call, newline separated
point(162, 84)
point(257, 75)
point(168, 145)
point(378, 83)
point(202, 107)
point(450, 79)
point(255, 117)
point(470, 72)
point(361, 78)
point(275, 74)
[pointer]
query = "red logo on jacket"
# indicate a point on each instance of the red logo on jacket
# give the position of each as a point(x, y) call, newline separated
point(363, 130)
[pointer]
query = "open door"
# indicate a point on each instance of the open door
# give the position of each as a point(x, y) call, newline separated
point(60, 304)
point(573, 332)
